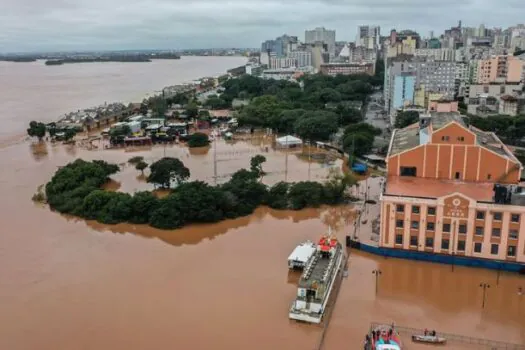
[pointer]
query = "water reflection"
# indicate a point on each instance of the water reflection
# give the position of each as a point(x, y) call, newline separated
point(199, 151)
point(196, 233)
point(38, 150)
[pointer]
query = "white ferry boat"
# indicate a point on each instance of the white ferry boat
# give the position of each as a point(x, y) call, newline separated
point(317, 281)
point(301, 254)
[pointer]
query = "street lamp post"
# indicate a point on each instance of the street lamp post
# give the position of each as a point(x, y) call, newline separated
point(485, 286)
point(377, 273)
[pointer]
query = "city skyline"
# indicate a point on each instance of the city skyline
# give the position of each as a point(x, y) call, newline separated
point(98, 25)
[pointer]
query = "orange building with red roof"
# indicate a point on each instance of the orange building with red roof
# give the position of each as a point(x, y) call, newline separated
point(453, 190)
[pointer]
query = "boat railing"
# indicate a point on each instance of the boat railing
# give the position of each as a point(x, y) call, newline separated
point(450, 337)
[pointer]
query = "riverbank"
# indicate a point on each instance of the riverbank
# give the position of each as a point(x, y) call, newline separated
point(54, 92)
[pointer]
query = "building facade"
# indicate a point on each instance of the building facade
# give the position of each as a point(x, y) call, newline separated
point(323, 35)
point(282, 62)
point(334, 69)
point(404, 88)
point(452, 190)
point(303, 58)
point(368, 37)
point(437, 54)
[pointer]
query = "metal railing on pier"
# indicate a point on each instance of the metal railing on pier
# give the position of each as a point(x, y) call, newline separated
point(480, 343)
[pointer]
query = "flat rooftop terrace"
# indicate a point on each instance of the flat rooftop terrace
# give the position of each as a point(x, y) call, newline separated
point(434, 188)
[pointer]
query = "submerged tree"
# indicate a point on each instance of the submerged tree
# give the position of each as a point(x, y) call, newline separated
point(166, 170)
point(256, 165)
point(135, 160)
point(141, 165)
point(37, 129)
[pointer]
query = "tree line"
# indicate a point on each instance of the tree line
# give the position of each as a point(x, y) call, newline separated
point(76, 189)
point(315, 108)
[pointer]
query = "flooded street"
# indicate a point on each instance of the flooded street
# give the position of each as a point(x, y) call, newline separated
point(66, 283)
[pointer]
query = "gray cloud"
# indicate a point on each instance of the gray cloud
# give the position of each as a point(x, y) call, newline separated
point(29, 25)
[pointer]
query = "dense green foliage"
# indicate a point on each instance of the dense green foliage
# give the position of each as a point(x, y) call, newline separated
point(360, 137)
point(404, 119)
point(166, 170)
point(36, 129)
point(198, 139)
point(314, 111)
point(510, 129)
point(270, 98)
point(76, 189)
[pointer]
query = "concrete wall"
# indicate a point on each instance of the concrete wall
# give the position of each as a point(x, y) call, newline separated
point(443, 161)
point(454, 210)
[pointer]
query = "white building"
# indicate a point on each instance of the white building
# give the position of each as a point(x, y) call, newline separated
point(279, 74)
point(303, 58)
point(321, 34)
point(282, 62)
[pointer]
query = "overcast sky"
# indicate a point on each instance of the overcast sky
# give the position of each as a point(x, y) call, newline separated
point(32, 25)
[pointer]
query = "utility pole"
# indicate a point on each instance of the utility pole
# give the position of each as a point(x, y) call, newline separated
point(285, 165)
point(215, 160)
point(485, 286)
point(377, 273)
point(309, 159)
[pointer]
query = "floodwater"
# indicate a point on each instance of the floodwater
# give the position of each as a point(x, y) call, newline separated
point(70, 284)
point(34, 91)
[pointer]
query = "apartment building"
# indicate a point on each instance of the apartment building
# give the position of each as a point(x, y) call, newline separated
point(302, 58)
point(452, 193)
point(282, 62)
point(323, 35)
point(368, 37)
point(436, 76)
point(441, 54)
point(334, 69)
point(497, 69)
point(484, 100)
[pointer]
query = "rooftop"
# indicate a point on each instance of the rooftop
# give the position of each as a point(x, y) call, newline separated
point(409, 137)
point(434, 188)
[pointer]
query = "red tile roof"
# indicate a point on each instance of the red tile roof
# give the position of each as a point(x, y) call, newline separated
point(434, 188)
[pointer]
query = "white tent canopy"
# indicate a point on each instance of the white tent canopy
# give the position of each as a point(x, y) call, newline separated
point(289, 141)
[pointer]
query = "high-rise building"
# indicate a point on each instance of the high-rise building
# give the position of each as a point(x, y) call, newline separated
point(368, 37)
point(280, 46)
point(320, 34)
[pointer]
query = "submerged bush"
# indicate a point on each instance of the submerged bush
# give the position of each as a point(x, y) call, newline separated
point(76, 189)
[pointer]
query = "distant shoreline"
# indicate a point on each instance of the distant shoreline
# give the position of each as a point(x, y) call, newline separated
point(120, 59)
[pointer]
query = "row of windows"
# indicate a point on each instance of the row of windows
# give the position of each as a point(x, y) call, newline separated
point(445, 245)
point(447, 138)
point(462, 229)
point(480, 215)
point(400, 208)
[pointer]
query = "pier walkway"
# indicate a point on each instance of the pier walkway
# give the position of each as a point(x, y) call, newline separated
point(457, 339)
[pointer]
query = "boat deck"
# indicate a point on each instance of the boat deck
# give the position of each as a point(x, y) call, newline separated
point(454, 339)
point(315, 271)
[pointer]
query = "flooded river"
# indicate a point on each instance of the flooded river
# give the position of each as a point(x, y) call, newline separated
point(70, 284)
point(34, 91)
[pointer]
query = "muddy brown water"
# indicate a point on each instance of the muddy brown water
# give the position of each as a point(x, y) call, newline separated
point(70, 284)
point(67, 284)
